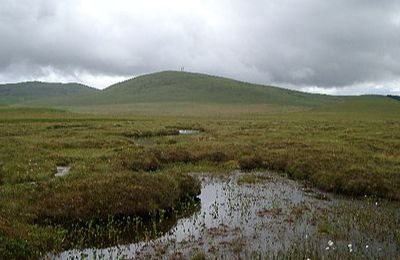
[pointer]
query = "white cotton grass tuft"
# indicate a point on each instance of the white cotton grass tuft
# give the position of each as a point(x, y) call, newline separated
point(350, 246)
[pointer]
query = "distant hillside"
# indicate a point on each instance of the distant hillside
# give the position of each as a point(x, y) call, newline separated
point(365, 106)
point(394, 97)
point(17, 93)
point(183, 93)
point(192, 88)
point(171, 86)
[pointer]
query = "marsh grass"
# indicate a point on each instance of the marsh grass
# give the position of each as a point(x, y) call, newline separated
point(199, 255)
point(123, 228)
point(112, 174)
point(275, 220)
point(248, 163)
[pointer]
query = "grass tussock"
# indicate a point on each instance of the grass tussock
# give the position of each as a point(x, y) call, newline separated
point(248, 163)
point(125, 194)
point(145, 162)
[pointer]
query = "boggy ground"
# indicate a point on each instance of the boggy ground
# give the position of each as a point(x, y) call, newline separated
point(264, 215)
point(137, 166)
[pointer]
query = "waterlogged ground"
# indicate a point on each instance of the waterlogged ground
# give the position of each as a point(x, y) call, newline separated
point(258, 215)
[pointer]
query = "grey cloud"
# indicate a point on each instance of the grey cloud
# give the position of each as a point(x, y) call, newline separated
point(327, 44)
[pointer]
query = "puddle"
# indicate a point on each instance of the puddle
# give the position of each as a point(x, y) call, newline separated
point(264, 219)
point(62, 171)
point(188, 131)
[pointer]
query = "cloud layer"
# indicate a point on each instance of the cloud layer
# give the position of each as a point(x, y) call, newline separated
point(340, 47)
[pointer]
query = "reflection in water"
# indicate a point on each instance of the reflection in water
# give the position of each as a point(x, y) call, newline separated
point(123, 230)
point(250, 220)
point(188, 131)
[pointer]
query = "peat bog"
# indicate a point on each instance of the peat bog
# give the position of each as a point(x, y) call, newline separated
point(271, 218)
point(138, 173)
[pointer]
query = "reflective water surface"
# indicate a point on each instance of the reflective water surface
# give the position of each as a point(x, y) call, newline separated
point(266, 216)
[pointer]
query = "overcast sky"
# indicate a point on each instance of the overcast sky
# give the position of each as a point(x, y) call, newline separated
point(335, 47)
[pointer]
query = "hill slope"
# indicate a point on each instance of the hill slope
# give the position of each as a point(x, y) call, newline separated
point(182, 87)
point(183, 93)
point(364, 107)
point(30, 91)
point(171, 86)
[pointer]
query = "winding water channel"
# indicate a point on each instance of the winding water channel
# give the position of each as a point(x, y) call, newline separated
point(267, 216)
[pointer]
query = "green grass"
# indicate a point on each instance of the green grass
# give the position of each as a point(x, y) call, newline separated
point(167, 88)
point(364, 107)
point(174, 86)
point(19, 93)
point(184, 109)
point(125, 165)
